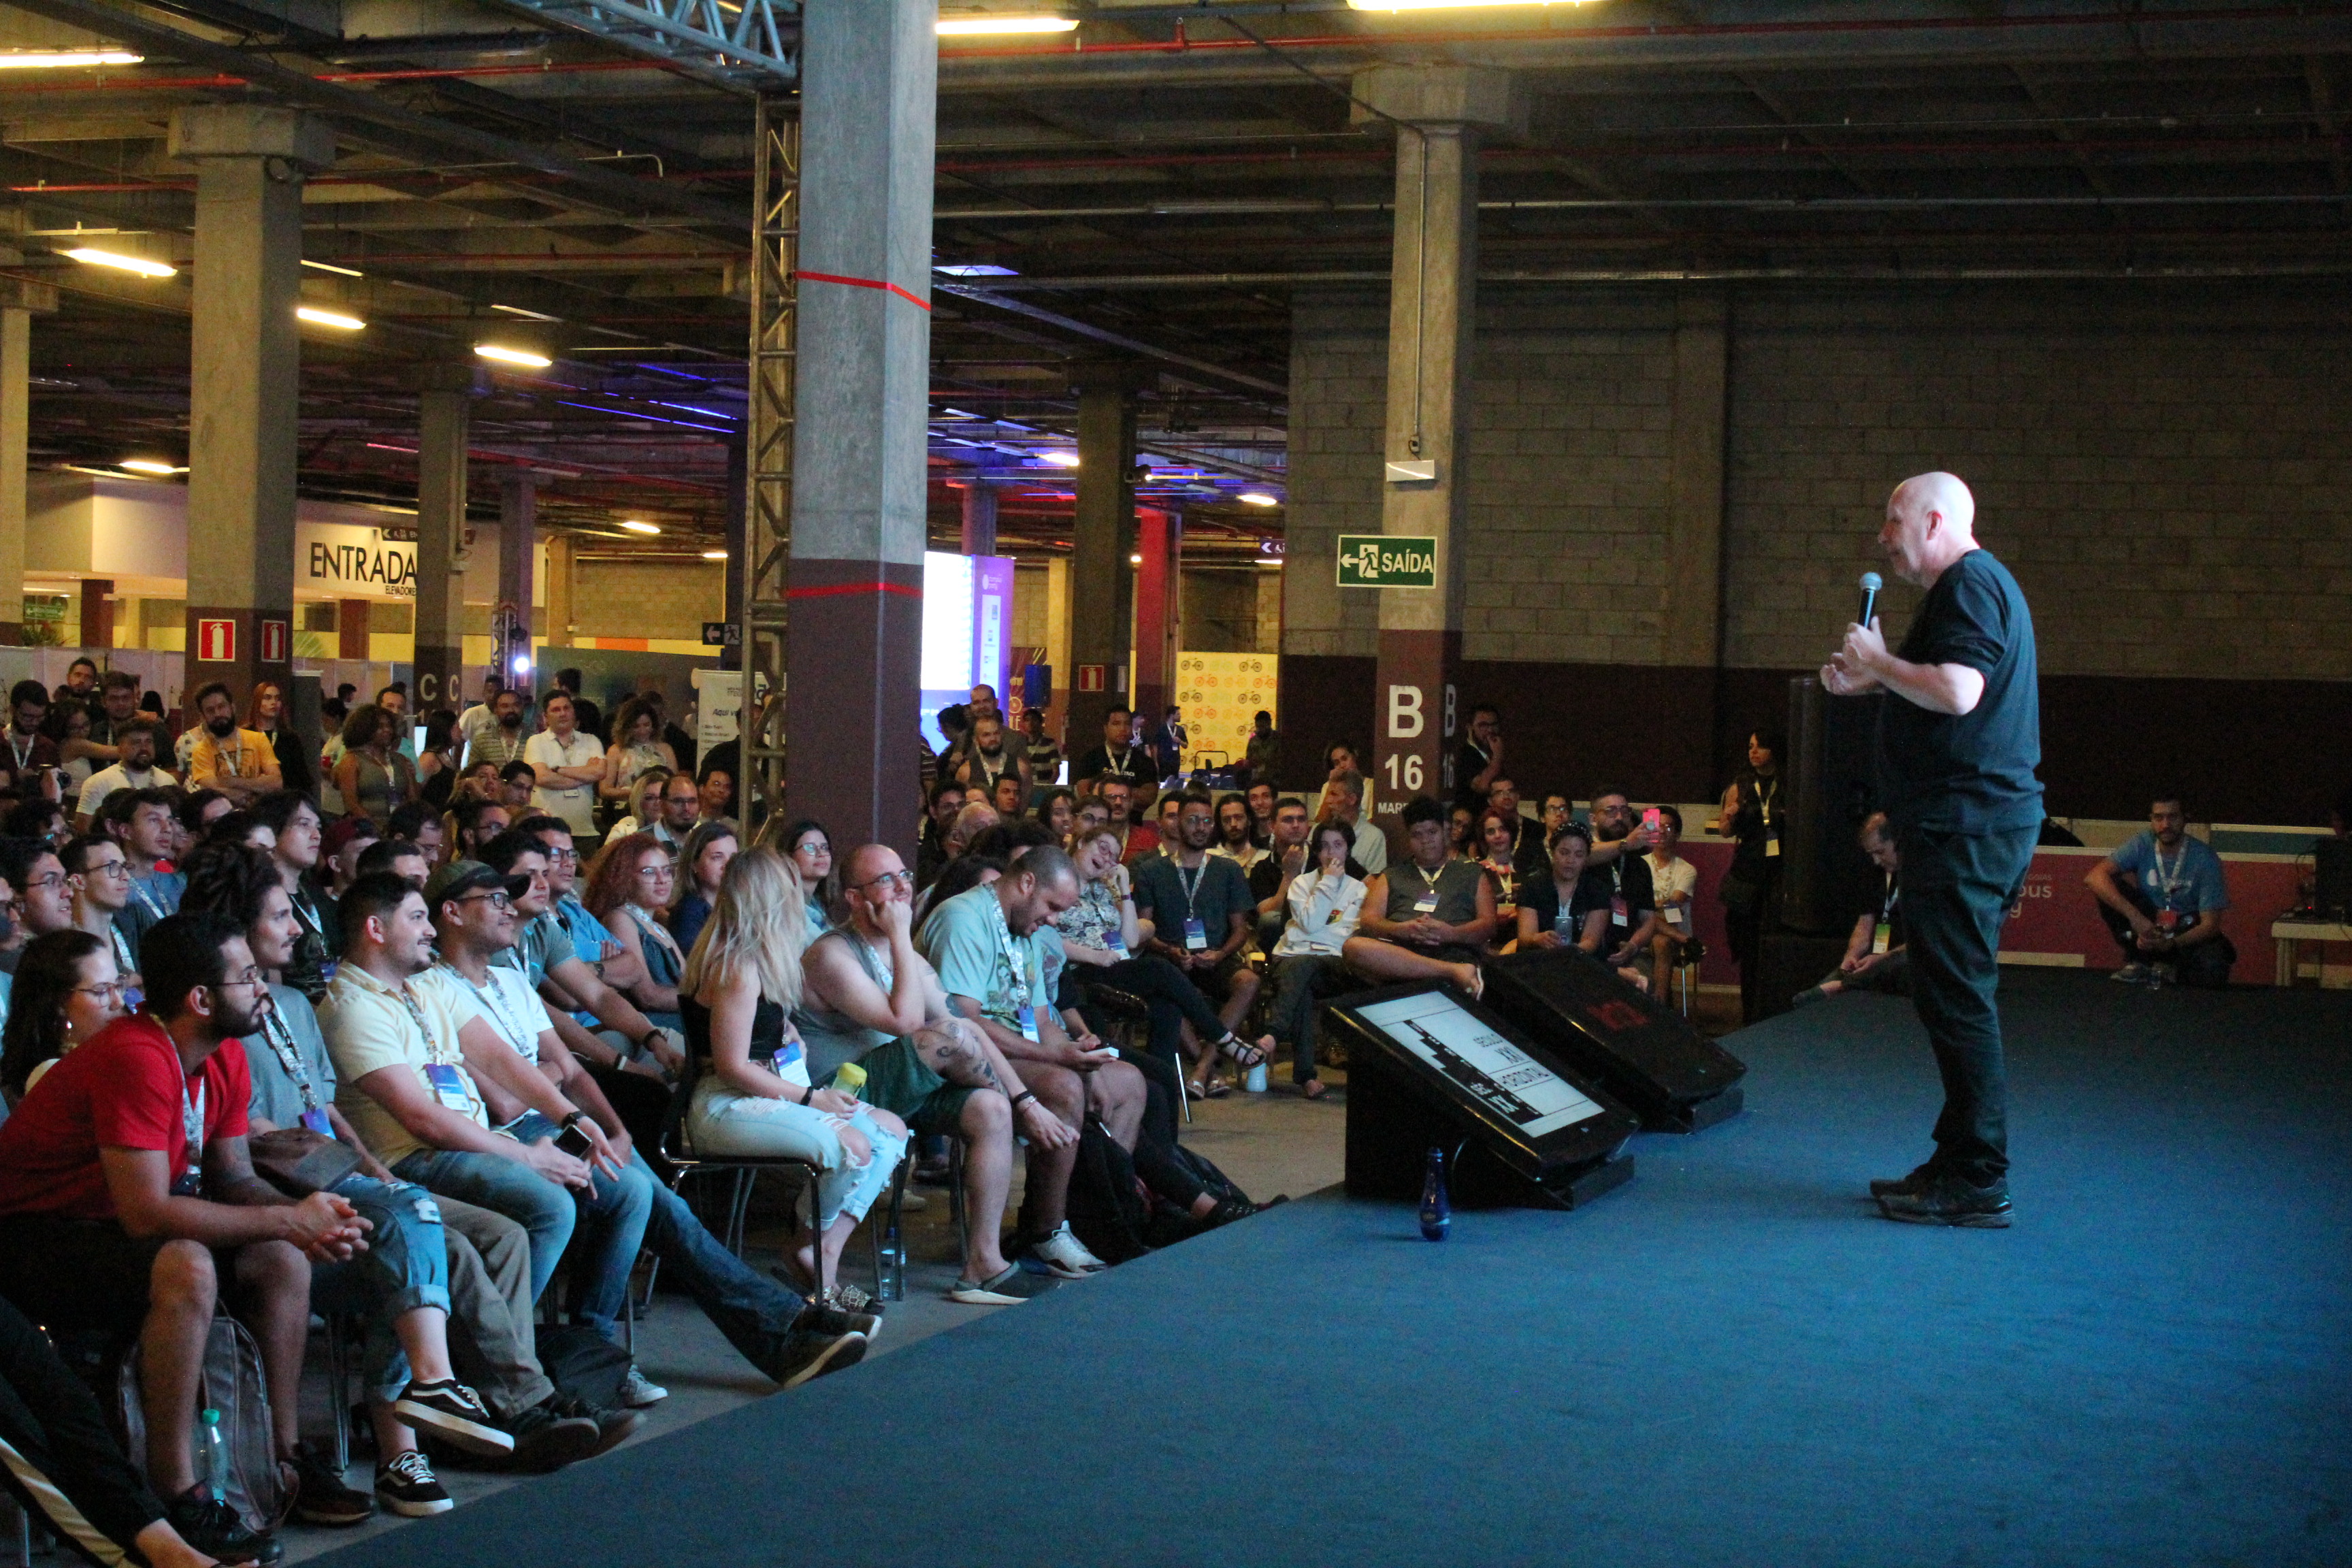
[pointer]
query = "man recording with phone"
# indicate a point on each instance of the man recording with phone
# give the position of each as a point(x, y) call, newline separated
point(1632, 897)
point(1959, 738)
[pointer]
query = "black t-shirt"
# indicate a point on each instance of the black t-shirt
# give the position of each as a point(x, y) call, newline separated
point(1969, 772)
point(1541, 894)
point(1131, 763)
point(1266, 876)
point(1469, 761)
point(1626, 877)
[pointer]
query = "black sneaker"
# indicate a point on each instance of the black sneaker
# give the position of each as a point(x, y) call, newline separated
point(1010, 1289)
point(807, 1354)
point(455, 1414)
point(545, 1438)
point(1888, 1186)
point(405, 1484)
point(833, 1321)
point(211, 1527)
point(1948, 1200)
point(320, 1495)
point(614, 1426)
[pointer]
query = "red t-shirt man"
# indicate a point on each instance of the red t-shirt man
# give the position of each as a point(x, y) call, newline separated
point(124, 1089)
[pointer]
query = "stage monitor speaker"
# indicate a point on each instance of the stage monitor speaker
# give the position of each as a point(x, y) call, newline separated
point(2332, 877)
point(1826, 881)
point(1429, 1067)
point(1641, 1051)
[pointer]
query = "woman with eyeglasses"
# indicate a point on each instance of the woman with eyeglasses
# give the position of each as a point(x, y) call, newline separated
point(701, 864)
point(67, 989)
point(629, 884)
point(810, 849)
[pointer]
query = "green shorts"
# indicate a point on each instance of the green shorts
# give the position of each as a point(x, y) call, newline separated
point(900, 1081)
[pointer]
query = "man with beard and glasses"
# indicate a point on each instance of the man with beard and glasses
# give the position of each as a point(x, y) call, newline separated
point(237, 763)
point(1202, 917)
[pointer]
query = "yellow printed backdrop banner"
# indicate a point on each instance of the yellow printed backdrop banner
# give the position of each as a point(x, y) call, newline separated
point(1221, 694)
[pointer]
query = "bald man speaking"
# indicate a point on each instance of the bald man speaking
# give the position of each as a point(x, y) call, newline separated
point(1959, 738)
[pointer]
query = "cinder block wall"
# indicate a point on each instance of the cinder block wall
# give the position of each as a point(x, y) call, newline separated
point(2164, 465)
point(648, 599)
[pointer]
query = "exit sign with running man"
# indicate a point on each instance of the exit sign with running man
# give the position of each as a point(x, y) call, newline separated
point(1387, 561)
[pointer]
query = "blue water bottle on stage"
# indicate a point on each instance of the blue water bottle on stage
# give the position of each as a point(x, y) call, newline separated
point(1436, 1213)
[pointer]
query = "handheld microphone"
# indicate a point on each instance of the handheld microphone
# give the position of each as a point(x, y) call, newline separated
point(1871, 584)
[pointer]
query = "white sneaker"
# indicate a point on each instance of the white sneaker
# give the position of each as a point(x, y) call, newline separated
point(1066, 1256)
point(637, 1391)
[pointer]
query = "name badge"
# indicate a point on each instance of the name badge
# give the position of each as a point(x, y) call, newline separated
point(787, 1054)
point(1426, 904)
point(1772, 847)
point(2170, 920)
point(327, 970)
point(315, 1119)
point(1027, 1018)
point(449, 1087)
point(1196, 935)
point(1113, 946)
point(132, 996)
point(1619, 914)
point(1882, 936)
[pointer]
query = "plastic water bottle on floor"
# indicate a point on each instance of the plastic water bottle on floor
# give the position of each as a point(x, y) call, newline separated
point(1253, 1081)
point(1436, 1213)
point(212, 1455)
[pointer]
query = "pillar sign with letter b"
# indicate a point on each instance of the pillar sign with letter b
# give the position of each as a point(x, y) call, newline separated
point(217, 640)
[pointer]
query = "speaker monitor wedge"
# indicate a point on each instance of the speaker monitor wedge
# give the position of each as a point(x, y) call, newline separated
point(1645, 1055)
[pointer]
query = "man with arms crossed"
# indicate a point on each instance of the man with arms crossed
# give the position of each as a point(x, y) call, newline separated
point(1959, 738)
point(867, 995)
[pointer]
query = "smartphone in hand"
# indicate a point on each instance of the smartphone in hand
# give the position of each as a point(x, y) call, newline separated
point(572, 1141)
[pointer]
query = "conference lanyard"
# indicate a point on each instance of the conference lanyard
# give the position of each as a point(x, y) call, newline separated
point(1427, 903)
point(23, 752)
point(1764, 810)
point(1123, 764)
point(191, 1129)
point(494, 999)
point(652, 930)
point(2169, 881)
point(141, 890)
point(980, 760)
point(1016, 986)
point(280, 1036)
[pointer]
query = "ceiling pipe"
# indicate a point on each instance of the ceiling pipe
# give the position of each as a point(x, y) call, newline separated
point(2154, 273)
point(1599, 204)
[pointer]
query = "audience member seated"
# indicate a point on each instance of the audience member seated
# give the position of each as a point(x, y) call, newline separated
point(2162, 895)
point(1875, 957)
point(946, 800)
point(517, 781)
point(140, 742)
point(125, 1183)
point(702, 864)
point(341, 847)
point(1527, 834)
point(1058, 808)
point(295, 822)
point(755, 1092)
point(809, 847)
point(67, 1470)
point(66, 989)
point(39, 818)
point(575, 964)
point(1632, 903)
point(983, 944)
point(476, 822)
point(1675, 881)
point(100, 880)
point(868, 996)
point(489, 1255)
point(422, 1056)
point(43, 893)
point(140, 820)
point(1428, 919)
point(1343, 801)
point(1497, 835)
point(1203, 919)
point(1324, 907)
point(238, 761)
point(397, 856)
point(1462, 833)
point(419, 823)
point(1237, 834)
point(1565, 908)
point(1103, 938)
point(630, 884)
point(1117, 756)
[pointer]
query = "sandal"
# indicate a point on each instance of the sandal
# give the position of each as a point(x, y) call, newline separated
point(1245, 1054)
point(847, 1298)
point(1217, 1089)
point(1194, 1091)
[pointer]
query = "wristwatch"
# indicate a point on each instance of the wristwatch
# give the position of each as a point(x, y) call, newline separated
point(577, 1116)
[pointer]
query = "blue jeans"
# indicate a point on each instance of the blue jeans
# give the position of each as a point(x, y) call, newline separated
point(406, 1266)
point(749, 1307)
point(613, 1213)
point(492, 1182)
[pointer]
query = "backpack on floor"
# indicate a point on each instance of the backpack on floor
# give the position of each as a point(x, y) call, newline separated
point(230, 1381)
point(1170, 1224)
point(1109, 1209)
point(582, 1363)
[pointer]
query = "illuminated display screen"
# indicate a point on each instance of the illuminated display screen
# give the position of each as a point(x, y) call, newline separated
point(1515, 1086)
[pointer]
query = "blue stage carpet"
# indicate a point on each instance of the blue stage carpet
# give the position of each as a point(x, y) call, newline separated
point(1730, 1361)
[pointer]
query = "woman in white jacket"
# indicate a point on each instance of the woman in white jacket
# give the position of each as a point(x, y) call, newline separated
point(1324, 906)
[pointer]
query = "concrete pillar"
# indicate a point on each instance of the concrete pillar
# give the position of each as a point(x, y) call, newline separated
point(1057, 644)
point(97, 612)
point(443, 420)
point(1159, 607)
point(20, 302)
point(518, 541)
point(860, 468)
point(979, 515)
point(244, 374)
point(1102, 581)
point(353, 625)
point(1269, 610)
point(563, 580)
point(1433, 327)
point(1691, 612)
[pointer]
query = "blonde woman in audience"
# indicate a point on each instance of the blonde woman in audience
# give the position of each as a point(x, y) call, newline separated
point(645, 803)
point(752, 1093)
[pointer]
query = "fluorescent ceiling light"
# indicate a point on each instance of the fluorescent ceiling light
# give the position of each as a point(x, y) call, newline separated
point(139, 265)
point(1257, 497)
point(1060, 459)
point(976, 26)
point(149, 466)
point(330, 266)
point(505, 355)
point(1273, 561)
point(1446, 4)
point(977, 269)
point(35, 59)
point(714, 555)
point(633, 526)
point(526, 315)
point(319, 318)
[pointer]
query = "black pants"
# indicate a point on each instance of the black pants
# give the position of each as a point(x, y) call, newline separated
point(57, 1455)
point(1171, 996)
point(643, 1105)
point(2206, 965)
point(1746, 927)
point(1957, 889)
